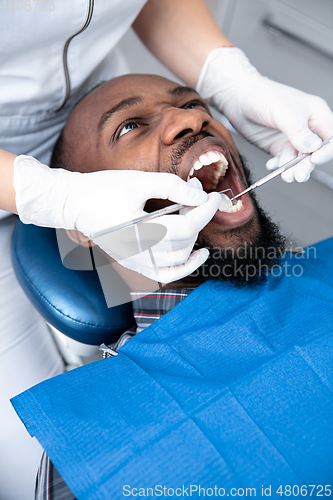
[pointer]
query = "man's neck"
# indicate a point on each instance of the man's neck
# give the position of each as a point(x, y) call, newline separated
point(139, 283)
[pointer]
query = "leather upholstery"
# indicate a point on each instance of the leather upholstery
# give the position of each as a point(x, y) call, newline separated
point(70, 300)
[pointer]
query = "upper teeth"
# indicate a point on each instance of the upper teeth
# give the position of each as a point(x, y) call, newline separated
point(207, 159)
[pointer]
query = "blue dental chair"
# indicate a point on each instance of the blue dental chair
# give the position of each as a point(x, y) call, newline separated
point(72, 301)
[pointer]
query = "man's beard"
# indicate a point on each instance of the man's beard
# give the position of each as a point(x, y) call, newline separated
point(249, 263)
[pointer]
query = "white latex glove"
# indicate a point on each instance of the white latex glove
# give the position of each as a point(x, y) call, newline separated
point(172, 256)
point(95, 201)
point(277, 118)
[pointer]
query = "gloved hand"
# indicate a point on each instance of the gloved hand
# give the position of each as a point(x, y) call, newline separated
point(95, 201)
point(172, 256)
point(277, 118)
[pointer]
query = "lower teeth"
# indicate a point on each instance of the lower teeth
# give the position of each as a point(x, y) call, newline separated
point(237, 207)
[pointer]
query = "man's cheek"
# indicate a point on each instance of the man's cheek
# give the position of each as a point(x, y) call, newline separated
point(223, 132)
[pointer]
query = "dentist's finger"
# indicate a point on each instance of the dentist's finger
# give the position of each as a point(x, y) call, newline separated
point(323, 155)
point(173, 257)
point(199, 217)
point(174, 273)
point(288, 176)
point(272, 163)
point(303, 170)
point(288, 153)
point(182, 229)
point(173, 188)
point(294, 121)
point(195, 183)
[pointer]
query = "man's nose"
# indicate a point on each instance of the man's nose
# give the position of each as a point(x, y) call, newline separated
point(179, 123)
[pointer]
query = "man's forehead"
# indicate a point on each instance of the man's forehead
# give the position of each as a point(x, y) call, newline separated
point(126, 91)
point(140, 85)
point(94, 111)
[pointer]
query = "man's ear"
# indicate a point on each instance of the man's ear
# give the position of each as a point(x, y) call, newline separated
point(80, 238)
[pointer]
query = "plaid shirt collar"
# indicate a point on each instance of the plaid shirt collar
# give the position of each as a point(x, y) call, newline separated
point(147, 308)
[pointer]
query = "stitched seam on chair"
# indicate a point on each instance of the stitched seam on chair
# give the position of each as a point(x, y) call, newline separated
point(52, 306)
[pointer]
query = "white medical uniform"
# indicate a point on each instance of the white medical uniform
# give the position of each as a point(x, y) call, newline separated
point(43, 72)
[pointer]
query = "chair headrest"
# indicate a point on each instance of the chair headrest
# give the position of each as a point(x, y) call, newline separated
point(72, 301)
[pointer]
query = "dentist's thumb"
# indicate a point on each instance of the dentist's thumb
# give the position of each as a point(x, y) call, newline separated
point(173, 188)
point(305, 141)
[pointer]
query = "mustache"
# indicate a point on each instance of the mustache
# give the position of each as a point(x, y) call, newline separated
point(181, 150)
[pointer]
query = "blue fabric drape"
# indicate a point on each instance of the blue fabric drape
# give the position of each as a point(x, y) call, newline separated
point(230, 389)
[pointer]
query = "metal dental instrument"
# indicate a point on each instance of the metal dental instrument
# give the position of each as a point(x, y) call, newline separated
point(278, 171)
point(163, 211)
point(178, 206)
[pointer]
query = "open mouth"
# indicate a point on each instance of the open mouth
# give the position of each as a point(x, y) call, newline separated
point(211, 170)
point(213, 166)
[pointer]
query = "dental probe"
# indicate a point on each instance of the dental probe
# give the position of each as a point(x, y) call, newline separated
point(163, 211)
point(278, 171)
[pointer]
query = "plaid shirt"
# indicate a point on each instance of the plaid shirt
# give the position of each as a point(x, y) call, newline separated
point(146, 310)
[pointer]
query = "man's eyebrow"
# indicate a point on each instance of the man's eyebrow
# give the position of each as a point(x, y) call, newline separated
point(181, 90)
point(125, 103)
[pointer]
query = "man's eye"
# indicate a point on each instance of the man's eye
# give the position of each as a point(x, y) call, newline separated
point(127, 128)
point(194, 104)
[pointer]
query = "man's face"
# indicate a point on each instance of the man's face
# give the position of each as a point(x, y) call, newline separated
point(148, 123)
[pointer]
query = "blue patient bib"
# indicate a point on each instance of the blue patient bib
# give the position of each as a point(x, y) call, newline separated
point(231, 390)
